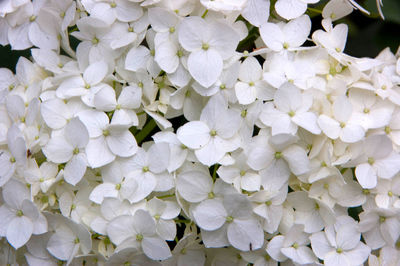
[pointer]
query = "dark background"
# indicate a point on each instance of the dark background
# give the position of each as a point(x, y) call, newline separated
point(368, 35)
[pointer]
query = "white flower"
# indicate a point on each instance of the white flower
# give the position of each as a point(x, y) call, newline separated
point(251, 85)
point(210, 42)
point(380, 227)
point(110, 10)
point(69, 238)
point(282, 36)
point(15, 157)
point(215, 134)
point(313, 214)
point(377, 160)
point(276, 157)
point(268, 205)
point(232, 219)
point(290, 110)
point(139, 232)
point(128, 100)
point(342, 125)
point(292, 245)
point(19, 216)
point(339, 244)
point(70, 149)
point(290, 9)
point(106, 141)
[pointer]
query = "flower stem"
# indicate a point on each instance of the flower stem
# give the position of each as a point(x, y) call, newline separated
point(204, 14)
point(147, 129)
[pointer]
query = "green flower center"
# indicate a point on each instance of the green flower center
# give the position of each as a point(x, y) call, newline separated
point(229, 219)
point(139, 237)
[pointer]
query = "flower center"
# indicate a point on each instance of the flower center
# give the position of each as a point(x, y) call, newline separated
point(371, 160)
point(95, 40)
point(229, 219)
point(205, 46)
point(139, 237)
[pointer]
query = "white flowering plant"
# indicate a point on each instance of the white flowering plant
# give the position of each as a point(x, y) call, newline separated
point(140, 132)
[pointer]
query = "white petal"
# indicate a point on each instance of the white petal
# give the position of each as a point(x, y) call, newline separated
point(274, 248)
point(342, 108)
point(191, 33)
point(352, 133)
point(308, 121)
point(347, 237)
point(103, 190)
point(126, 11)
point(98, 153)
point(223, 38)
point(74, 86)
point(58, 150)
point(55, 113)
point(210, 214)
point(366, 175)
point(213, 152)
point(256, 12)
point(121, 228)
point(95, 122)
point(297, 30)
point(194, 134)
point(144, 223)
point(42, 39)
point(75, 169)
point(320, 245)
point(156, 248)
point(245, 235)
point(137, 58)
point(76, 133)
point(19, 231)
point(297, 159)
point(105, 100)
point(290, 9)
point(205, 66)
point(130, 97)
point(159, 154)
point(121, 142)
point(360, 254)
point(329, 126)
point(95, 72)
point(272, 36)
point(166, 57)
point(194, 186)
point(244, 93)
point(161, 19)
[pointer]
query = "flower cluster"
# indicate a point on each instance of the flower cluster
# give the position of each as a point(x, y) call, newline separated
point(158, 140)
